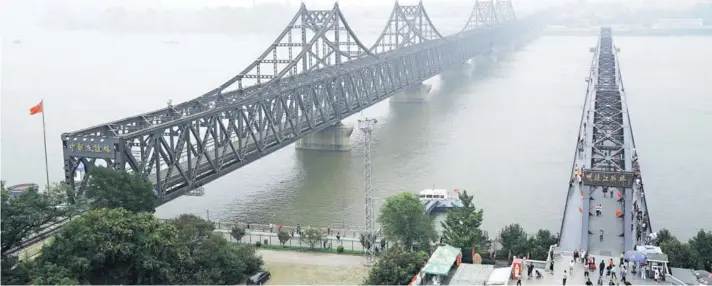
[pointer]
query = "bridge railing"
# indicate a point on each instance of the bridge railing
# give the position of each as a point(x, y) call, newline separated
point(590, 86)
point(271, 239)
point(346, 232)
point(630, 128)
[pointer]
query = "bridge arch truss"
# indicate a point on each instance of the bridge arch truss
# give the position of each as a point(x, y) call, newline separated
point(315, 74)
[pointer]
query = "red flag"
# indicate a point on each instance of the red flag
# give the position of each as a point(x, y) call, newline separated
point(36, 109)
point(491, 253)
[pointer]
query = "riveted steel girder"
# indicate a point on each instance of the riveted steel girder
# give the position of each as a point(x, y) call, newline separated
point(407, 26)
point(300, 85)
point(483, 14)
point(608, 147)
point(505, 11)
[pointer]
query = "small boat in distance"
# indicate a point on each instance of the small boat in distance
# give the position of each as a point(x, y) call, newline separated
point(439, 200)
point(434, 194)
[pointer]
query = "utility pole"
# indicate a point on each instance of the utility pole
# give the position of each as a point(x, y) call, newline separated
point(366, 126)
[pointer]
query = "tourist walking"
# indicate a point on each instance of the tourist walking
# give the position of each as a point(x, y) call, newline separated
point(566, 276)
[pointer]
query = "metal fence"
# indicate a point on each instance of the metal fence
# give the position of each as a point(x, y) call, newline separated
point(267, 234)
point(271, 239)
point(273, 228)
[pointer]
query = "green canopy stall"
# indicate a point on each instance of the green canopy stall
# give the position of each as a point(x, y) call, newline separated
point(442, 260)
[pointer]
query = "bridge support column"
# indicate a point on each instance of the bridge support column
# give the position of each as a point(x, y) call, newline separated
point(416, 94)
point(333, 138)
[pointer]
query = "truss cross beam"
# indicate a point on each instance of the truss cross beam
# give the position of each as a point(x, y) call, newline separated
point(316, 73)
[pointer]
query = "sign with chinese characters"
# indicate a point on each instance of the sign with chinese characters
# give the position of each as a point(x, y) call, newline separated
point(91, 148)
point(608, 179)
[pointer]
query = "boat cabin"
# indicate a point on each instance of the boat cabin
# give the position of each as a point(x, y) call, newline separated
point(434, 194)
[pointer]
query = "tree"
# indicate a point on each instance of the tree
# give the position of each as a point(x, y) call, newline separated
point(192, 230)
point(29, 212)
point(214, 260)
point(396, 267)
point(664, 235)
point(681, 254)
point(52, 274)
point(702, 242)
point(513, 239)
point(402, 220)
point(14, 273)
point(539, 244)
point(252, 261)
point(695, 254)
point(461, 227)
point(25, 215)
point(312, 236)
point(238, 233)
point(116, 246)
point(109, 188)
point(283, 236)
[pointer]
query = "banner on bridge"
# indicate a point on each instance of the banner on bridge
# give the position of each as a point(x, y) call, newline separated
point(608, 179)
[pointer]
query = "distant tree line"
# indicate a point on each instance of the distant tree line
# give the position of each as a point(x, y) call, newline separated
point(118, 240)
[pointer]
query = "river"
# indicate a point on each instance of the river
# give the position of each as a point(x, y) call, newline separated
point(505, 133)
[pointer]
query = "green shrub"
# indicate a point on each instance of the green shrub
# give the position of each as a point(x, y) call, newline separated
point(258, 244)
point(340, 249)
point(266, 242)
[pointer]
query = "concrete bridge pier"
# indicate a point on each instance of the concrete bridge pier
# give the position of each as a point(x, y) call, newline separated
point(414, 94)
point(333, 138)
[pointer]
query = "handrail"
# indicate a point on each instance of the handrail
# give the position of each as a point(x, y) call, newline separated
point(673, 278)
point(630, 127)
point(573, 160)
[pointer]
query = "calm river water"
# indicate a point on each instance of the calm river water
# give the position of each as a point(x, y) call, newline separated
point(506, 133)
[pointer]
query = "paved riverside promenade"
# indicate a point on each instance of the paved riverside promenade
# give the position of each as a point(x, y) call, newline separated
point(348, 238)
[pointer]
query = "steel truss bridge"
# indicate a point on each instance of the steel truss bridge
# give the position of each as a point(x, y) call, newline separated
point(606, 164)
point(316, 73)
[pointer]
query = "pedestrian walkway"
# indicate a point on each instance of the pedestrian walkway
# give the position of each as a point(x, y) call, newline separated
point(338, 229)
point(330, 242)
point(577, 277)
point(613, 241)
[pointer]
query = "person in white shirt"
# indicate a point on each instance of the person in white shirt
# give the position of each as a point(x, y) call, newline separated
point(566, 276)
point(571, 267)
point(657, 275)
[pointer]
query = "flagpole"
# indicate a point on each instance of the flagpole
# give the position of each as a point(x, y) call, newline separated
point(44, 135)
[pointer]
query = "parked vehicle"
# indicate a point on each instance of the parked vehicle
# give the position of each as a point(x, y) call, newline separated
point(259, 278)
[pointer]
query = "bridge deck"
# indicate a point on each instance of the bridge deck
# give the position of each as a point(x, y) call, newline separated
point(605, 143)
point(576, 277)
point(613, 241)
